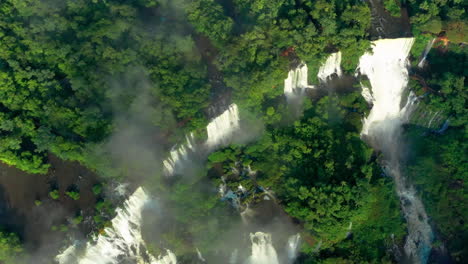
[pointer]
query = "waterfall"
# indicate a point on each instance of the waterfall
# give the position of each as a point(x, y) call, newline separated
point(221, 129)
point(178, 155)
point(293, 247)
point(386, 68)
point(331, 66)
point(234, 256)
point(262, 249)
point(122, 241)
point(200, 256)
point(296, 82)
point(426, 51)
point(169, 258)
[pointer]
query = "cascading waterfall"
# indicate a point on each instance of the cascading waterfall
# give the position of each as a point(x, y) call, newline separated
point(178, 155)
point(296, 82)
point(221, 129)
point(169, 258)
point(426, 51)
point(263, 251)
point(293, 247)
point(386, 68)
point(330, 67)
point(122, 241)
point(200, 256)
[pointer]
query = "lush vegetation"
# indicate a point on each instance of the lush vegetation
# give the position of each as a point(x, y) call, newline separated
point(325, 176)
point(437, 163)
point(73, 71)
point(11, 250)
point(67, 68)
point(439, 16)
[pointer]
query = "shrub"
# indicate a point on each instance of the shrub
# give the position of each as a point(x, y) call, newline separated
point(54, 194)
point(97, 189)
point(74, 195)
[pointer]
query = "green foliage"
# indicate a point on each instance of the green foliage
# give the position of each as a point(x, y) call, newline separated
point(393, 6)
point(74, 195)
point(54, 194)
point(322, 173)
point(65, 68)
point(11, 250)
point(37, 202)
point(77, 220)
point(198, 213)
point(447, 84)
point(457, 31)
point(439, 15)
point(439, 170)
point(208, 18)
point(97, 189)
point(251, 57)
point(433, 26)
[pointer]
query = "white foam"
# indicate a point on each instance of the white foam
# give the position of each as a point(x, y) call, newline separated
point(122, 240)
point(178, 155)
point(292, 247)
point(331, 66)
point(386, 68)
point(263, 251)
point(426, 51)
point(296, 82)
point(221, 129)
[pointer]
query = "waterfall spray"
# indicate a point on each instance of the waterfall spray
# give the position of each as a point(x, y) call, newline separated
point(262, 249)
point(121, 241)
point(426, 51)
point(296, 82)
point(292, 247)
point(221, 129)
point(178, 155)
point(386, 68)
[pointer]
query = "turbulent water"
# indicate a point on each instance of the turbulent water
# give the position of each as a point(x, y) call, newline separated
point(386, 68)
point(330, 67)
point(293, 247)
point(296, 82)
point(178, 155)
point(121, 242)
point(263, 251)
point(169, 258)
point(221, 129)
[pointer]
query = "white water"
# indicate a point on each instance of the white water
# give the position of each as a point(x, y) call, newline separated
point(221, 129)
point(200, 256)
point(121, 241)
point(387, 71)
point(293, 247)
point(262, 249)
point(296, 82)
point(426, 51)
point(331, 66)
point(169, 258)
point(178, 155)
point(234, 256)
